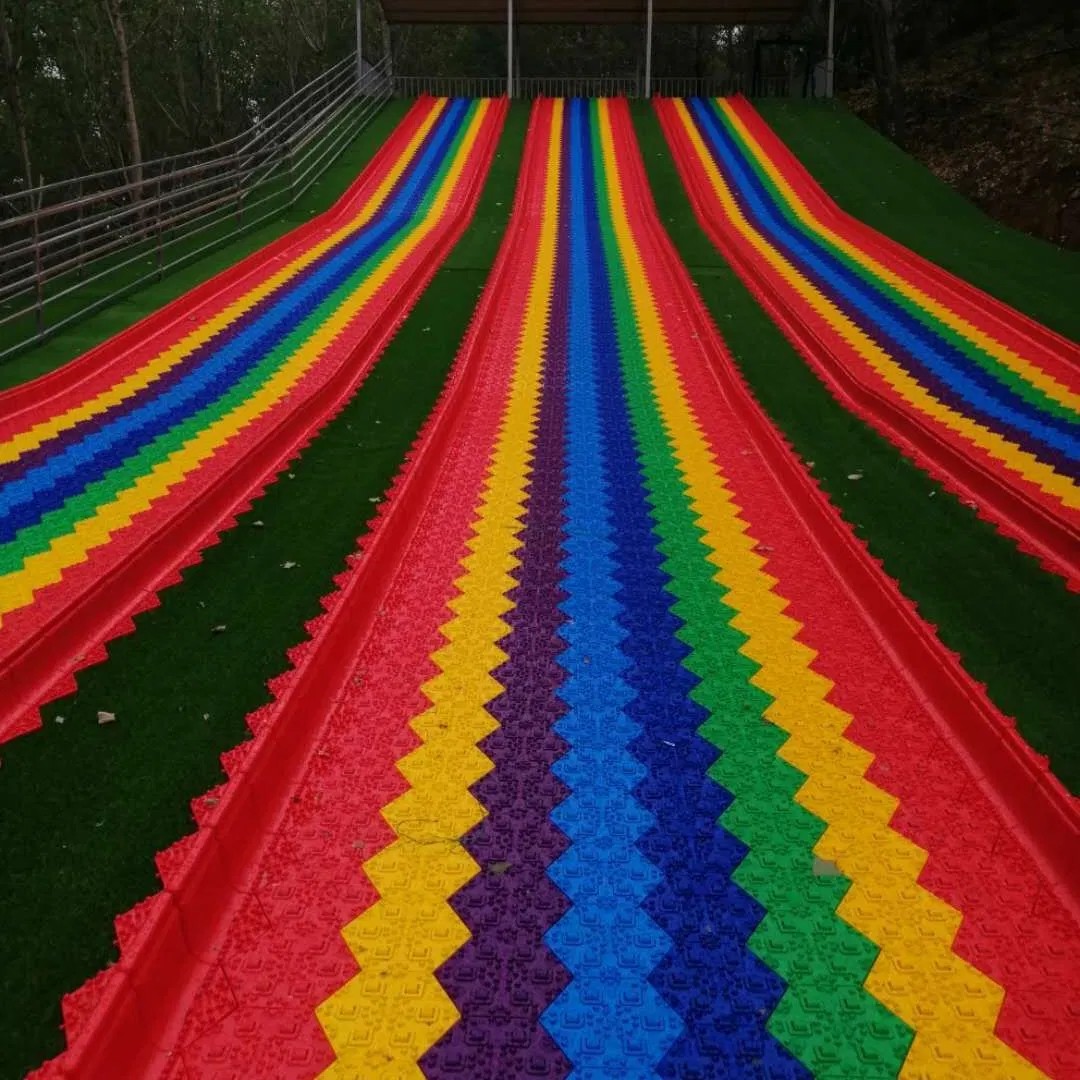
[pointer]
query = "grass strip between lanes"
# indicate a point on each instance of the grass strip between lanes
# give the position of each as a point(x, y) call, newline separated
point(1014, 625)
point(84, 807)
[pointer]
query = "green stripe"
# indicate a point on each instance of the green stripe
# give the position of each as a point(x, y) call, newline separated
point(63, 520)
point(1027, 390)
point(826, 1019)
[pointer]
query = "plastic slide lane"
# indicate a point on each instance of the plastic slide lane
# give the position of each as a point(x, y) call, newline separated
point(984, 398)
point(116, 470)
point(614, 754)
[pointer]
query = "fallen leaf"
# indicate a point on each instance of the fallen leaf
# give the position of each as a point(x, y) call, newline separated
point(854, 475)
point(219, 629)
point(498, 867)
point(288, 565)
point(257, 524)
point(58, 719)
point(106, 718)
point(825, 868)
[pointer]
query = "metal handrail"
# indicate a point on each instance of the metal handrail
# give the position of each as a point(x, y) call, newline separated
point(531, 87)
point(216, 150)
point(466, 86)
point(691, 86)
point(83, 253)
point(585, 86)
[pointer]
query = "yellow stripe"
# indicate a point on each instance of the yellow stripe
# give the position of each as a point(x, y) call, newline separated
point(45, 568)
point(174, 354)
point(949, 1004)
point(988, 344)
point(386, 1017)
point(1020, 461)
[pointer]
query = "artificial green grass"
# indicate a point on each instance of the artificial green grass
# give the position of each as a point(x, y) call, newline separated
point(1014, 624)
point(96, 328)
point(872, 179)
point(84, 807)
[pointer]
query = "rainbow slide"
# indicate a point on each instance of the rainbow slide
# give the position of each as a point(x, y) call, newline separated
point(984, 398)
point(116, 470)
point(614, 753)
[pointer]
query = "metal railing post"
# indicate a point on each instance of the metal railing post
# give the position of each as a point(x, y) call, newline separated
point(160, 249)
point(648, 49)
point(509, 48)
point(39, 283)
point(238, 185)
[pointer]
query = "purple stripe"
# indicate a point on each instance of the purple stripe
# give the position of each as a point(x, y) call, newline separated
point(504, 977)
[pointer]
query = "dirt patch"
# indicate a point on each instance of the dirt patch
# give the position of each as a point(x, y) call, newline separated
point(1000, 123)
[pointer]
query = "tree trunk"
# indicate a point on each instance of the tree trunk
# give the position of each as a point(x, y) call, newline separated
point(928, 28)
point(127, 90)
point(14, 96)
point(890, 97)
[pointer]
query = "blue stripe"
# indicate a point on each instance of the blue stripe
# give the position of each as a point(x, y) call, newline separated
point(723, 992)
point(609, 1021)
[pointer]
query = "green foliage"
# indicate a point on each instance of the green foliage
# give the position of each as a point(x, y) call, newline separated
point(202, 70)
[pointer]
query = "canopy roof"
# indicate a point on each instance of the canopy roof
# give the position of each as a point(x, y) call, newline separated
point(595, 13)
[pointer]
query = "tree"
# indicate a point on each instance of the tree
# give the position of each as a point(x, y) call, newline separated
point(884, 23)
point(115, 14)
point(12, 62)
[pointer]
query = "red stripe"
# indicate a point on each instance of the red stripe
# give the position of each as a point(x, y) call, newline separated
point(301, 811)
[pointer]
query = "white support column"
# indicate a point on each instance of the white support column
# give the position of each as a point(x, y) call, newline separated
point(648, 49)
point(359, 41)
point(830, 58)
point(509, 48)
